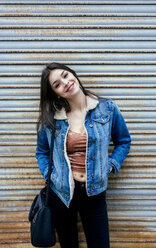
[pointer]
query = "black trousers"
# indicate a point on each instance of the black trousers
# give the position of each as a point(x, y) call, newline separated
point(93, 213)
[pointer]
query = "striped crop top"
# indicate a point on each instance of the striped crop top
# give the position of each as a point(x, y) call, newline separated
point(76, 150)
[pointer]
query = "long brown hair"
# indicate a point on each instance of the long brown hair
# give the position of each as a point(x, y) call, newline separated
point(49, 102)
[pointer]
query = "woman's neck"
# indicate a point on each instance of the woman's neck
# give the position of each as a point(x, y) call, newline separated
point(78, 102)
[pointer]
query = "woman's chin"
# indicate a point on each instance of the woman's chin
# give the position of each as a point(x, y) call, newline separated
point(74, 93)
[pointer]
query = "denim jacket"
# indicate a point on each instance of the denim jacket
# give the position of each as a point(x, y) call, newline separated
point(103, 121)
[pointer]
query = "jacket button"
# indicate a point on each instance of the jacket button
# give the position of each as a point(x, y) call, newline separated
point(93, 158)
point(94, 140)
point(91, 191)
point(91, 125)
point(93, 175)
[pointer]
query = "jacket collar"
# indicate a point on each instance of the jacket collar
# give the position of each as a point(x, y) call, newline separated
point(91, 104)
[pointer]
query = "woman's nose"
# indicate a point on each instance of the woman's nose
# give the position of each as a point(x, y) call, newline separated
point(65, 82)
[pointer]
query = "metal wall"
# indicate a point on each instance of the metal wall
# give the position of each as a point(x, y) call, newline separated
point(111, 45)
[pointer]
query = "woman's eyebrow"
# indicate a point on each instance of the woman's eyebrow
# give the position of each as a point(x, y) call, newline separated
point(61, 76)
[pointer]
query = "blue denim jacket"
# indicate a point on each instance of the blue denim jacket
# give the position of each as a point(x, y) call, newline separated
point(103, 121)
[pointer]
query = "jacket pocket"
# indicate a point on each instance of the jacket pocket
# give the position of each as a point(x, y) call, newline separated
point(102, 119)
point(109, 166)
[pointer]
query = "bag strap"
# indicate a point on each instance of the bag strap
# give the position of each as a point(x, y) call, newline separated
point(50, 163)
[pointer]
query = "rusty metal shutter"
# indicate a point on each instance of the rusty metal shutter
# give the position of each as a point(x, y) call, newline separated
point(111, 44)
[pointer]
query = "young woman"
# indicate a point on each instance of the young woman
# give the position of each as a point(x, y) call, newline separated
point(84, 126)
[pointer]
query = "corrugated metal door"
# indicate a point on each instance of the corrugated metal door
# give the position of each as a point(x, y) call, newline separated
point(111, 44)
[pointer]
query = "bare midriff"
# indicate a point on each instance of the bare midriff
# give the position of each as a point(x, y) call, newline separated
point(76, 150)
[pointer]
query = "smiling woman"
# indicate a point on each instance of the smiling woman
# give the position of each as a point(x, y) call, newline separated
point(66, 84)
point(56, 79)
point(85, 123)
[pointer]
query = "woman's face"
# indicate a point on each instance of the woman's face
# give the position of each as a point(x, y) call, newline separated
point(64, 83)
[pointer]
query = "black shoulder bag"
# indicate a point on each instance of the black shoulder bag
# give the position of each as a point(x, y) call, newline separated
point(41, 215)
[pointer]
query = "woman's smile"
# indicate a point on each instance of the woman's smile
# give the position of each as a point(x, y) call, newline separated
point(70, 88)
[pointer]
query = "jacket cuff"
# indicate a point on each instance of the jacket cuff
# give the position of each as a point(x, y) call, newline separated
point(115, 165)
point(46, 174)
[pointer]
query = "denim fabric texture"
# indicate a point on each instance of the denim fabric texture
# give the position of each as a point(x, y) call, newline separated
point(103, 122)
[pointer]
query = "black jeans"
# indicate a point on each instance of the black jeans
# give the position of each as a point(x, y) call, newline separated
point(93, 213)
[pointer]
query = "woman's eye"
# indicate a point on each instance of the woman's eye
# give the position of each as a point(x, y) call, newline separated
point(57, 85)
point(65, 75)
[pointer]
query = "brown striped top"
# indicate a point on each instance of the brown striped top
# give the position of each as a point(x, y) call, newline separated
point(76, 150)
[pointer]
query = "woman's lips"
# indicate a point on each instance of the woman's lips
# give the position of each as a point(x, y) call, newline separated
point(70, 87)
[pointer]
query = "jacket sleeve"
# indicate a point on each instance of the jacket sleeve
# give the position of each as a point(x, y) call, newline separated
point(121, 139)
point(43, 153)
